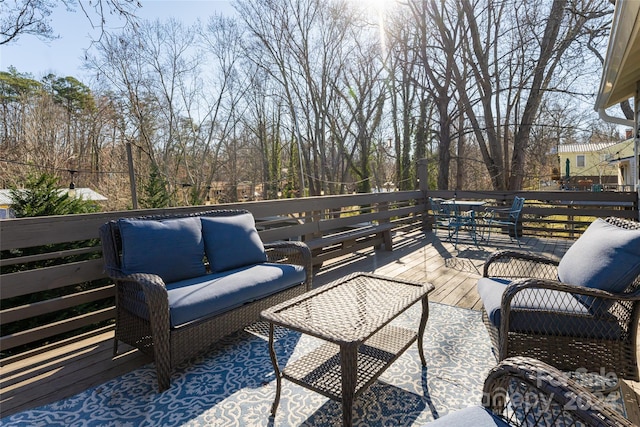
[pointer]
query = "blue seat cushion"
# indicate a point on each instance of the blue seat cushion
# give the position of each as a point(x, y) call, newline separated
point(173, 248)
point(232, 241)
point(545, 311)
point(217, 293)
point(605, 257)
point(475, 416)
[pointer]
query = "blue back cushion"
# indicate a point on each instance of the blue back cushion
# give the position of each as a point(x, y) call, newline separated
point(232, 242)
point(173, 248)
point(605, 257)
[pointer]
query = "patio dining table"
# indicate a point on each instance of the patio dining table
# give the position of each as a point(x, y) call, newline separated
point(467, 205)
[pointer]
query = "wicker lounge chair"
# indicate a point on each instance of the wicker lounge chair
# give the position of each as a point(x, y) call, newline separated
point(522, 391)
point(577, 313)
point(173, 310)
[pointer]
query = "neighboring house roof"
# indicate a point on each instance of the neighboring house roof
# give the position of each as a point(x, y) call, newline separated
point(584, 148)
point(5, 197)
point(81, 193)
point(86, 194)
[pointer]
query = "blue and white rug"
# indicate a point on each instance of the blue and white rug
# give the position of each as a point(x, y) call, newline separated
point(235, 386)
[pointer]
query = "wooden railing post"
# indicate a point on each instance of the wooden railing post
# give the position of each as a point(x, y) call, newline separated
point(423, 185)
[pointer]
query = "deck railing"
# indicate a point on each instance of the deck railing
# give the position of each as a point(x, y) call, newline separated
point(52, 284)
point(555, 213)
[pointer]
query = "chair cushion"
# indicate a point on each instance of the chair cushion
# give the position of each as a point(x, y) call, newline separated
point(545, 311)
point(605, 257)
point(173, 248)
point(232, 241)
point(217, 293)
point(475, 416)
point(213, 294)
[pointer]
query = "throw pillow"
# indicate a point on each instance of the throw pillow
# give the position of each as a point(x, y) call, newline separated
point(232, 241)
point(605, 257)
point(173, 248)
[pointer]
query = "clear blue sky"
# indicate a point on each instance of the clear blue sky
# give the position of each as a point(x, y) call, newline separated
point(63, 56)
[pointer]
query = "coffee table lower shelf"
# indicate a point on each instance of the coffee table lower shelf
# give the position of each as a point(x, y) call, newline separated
point(321, 372)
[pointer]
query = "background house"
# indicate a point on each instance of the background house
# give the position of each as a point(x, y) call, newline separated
point(596, 166)
point(621, 77)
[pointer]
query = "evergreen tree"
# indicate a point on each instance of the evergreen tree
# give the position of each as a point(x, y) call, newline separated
point(42, 196)
point(155, 191)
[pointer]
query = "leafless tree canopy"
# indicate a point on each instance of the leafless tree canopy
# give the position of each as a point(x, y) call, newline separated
point(33, 17)
point(305, 97)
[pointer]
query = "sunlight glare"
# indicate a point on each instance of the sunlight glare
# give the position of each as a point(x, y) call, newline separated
point(379, 10)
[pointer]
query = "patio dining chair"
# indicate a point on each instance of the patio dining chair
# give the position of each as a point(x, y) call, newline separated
point(508, 218)
point(449, 216)
point(522, 391)
point(579, 312)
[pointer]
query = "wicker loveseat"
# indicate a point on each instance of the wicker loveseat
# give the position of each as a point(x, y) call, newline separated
point(580, 312)
point(184, 281)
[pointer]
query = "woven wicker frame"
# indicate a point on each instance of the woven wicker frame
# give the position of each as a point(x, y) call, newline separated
point(543, 396)
point(155, 337)
point(352, 315)
point(554, 346)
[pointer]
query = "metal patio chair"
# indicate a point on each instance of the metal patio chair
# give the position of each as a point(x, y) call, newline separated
point(506, 217)
point(450, 217)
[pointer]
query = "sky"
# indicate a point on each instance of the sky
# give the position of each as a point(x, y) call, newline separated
point(63, 56)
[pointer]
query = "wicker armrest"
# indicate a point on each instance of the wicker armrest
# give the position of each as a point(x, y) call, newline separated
point(142, 278)
point(291, 252)
point(153, 288)
point(295, 252)
point(573, 292)
point(521, 389)
point(148, 283)
point(517, 264)
point(555, 285)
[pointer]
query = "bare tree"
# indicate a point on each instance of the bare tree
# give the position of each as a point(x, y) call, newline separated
point(437, 52)
point(406, 87)
point(316, 56)
point(33, 17)
point(542, 41)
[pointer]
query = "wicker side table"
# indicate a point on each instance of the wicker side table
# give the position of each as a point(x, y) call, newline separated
point(353, 316)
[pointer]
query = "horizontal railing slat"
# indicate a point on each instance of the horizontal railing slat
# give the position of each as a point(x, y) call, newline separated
point(56, 304)
point(49, 255)
point(57, 328)
point(48, 278)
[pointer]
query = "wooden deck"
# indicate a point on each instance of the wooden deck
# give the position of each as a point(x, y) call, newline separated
point(60, 371)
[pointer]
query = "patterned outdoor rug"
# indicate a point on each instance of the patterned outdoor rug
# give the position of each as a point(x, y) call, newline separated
point(235, 386)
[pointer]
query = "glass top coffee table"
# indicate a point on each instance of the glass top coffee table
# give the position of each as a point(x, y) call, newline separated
point(353, 316)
